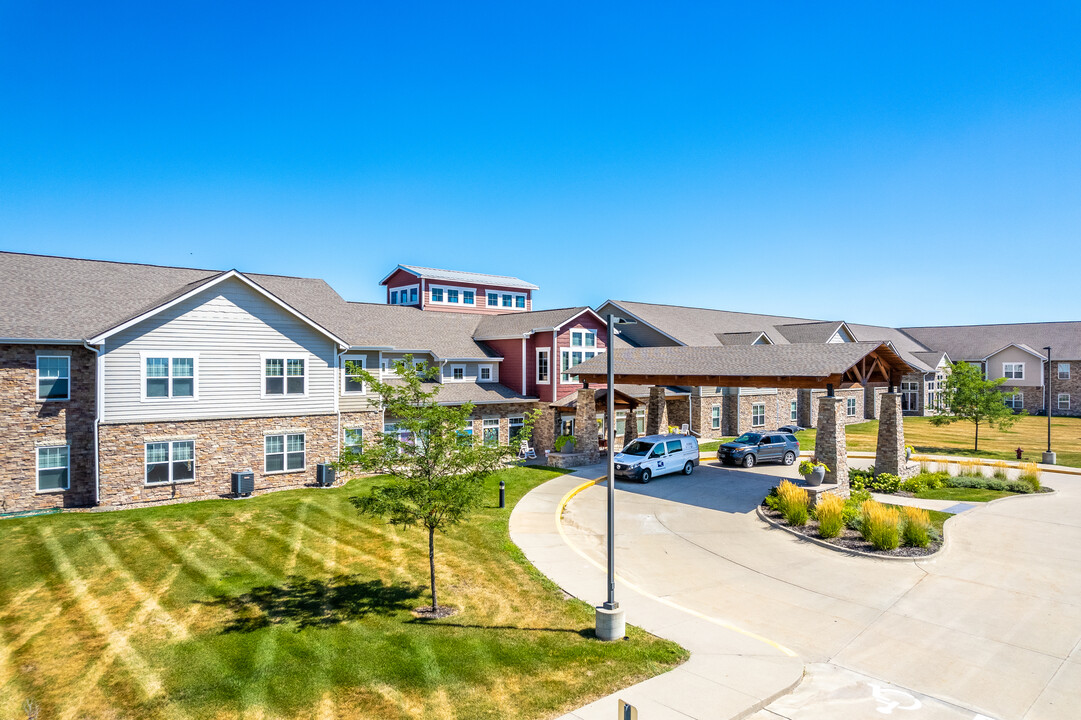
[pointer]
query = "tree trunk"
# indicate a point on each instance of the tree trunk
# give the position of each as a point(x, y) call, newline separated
point(431, 564)
point(977, 447)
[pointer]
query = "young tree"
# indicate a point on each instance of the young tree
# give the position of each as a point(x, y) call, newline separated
point(437, 468)
point(971, 397)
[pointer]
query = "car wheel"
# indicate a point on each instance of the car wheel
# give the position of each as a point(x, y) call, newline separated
point(688, 468)
point(748, 461)
point(789, 457)
point(646, 476)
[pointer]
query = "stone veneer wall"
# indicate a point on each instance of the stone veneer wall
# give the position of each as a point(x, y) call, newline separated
point(702, 416)
point(585, 425)
point(872, 401)
point(26, 423)
point(777, 407)
point(831, 446)
point(890, 452)
point(679, 413)
point(856, 392)
point(656, 412)
point(1072, 387)
point(221, 447)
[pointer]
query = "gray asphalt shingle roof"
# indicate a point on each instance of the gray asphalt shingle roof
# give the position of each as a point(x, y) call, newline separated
point(448, 335)
point(976, 342)
point(521, 324)
point(469, 277)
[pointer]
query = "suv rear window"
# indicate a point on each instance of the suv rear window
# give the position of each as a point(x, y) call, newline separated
point(791, 438)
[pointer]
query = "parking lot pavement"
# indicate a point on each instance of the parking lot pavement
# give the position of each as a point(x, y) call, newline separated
point(991, 625)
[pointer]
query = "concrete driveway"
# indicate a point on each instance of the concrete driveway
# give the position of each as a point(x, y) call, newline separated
point(990, 626)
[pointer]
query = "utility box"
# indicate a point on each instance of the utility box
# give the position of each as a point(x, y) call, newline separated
point(324, 475)
point(243, 483)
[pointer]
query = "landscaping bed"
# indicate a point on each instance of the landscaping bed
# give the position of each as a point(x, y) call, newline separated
point(852, 539)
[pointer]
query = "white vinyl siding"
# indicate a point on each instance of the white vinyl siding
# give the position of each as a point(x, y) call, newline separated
point(231, 329)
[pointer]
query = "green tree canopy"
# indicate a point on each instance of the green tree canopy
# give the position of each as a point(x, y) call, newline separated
point(970, 396)
point(437, 467)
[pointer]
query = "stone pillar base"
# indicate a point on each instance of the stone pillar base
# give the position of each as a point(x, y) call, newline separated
point(611, 624)
point(656, 412)
point(831, 446)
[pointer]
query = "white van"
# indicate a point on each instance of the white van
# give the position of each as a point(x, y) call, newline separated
point(653, 455)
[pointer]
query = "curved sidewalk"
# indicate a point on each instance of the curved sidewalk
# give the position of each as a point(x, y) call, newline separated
point(731, 673)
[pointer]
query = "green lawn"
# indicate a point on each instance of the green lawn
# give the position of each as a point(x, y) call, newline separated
point(289, 605)
point(1029, 433)
point(964, 494)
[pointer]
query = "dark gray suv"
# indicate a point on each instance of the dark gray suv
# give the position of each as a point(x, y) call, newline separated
point(749, 449)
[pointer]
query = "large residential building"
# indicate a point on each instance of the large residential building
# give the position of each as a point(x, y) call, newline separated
point(124, 384)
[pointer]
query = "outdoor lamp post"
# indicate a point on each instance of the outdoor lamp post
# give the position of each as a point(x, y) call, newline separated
point(1048, 456)
point(611, 623)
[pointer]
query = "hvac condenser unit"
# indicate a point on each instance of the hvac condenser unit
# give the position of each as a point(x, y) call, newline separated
point(243, 483)
point(324, 474)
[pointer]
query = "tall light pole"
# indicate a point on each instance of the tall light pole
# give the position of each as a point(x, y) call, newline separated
point(611, 622)
point(1048, 456)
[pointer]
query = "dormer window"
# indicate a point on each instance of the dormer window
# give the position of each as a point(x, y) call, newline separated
point(484, 373)
point(493, 299)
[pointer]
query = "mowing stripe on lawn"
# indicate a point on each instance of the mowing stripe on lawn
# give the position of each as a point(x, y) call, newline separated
point(118, 642)
point(230, 546)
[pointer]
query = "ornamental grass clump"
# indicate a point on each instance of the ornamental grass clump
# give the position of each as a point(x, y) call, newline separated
point(1030, 473)
point(880, 525)
point(792, 502)
point(999, 471)
point(830, 512)
point(917, 532)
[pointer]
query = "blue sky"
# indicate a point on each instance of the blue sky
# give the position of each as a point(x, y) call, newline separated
point(894, 163)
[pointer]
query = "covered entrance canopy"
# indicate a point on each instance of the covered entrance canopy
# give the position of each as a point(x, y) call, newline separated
point(808, 366)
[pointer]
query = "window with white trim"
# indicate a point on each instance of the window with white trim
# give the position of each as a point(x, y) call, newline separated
point(584, 338)
point(490, 431)
point(1064, 371)
point(284, 375)
point(167, 376)
point(484, 373)
point(1064, 401)
point(570, 358)
point(1015, 401)
point(52, 468)
point(792, 415)
point(170, 462)
point(393, 297)
point(54, 377)
point(469, 297)
point(758, 414)
point(715, 417)
point(517, 424)
point(851, 406)
point(493, 299)
point(543, 355)
point(437, 295)
point(284, 453)
point(352, 381)
point(454, 373)
point(1015, 371)
point(353, 439)
point(450, 295)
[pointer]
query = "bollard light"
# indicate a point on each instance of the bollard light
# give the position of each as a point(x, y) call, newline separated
point(502, 494)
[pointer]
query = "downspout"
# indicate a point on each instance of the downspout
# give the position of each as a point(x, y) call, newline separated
point(339, 382)
point(554, 360)
point(99, 393)
point(523, 365)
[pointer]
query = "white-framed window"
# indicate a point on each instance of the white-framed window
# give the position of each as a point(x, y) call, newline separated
point(406, 295)
point(352, 382)
point(393, 297)
point(715, 417)
point(851, 406)
point(490, 431)
point(450, 295)
point(1015, 401)
point(170, 376)
point(517, 424)
point(170, 462)
point(285, 375)
point(454, 373)
point(584, 338)
point(1015, 371)
point(569, 358)
point(543, 365)
point(792, 414)
point(52, 468)
point(1064, 401)
point(284, 453)
point(352, 439)
point(485, 373)
point(758, 414)
point(497, 298)
point(1064, 371)
point(54, 377)
point(493, 299)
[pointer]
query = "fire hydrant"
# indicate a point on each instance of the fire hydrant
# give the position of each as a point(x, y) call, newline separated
point(1019, 451)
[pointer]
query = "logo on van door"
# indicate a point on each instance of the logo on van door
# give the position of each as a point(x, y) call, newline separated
point(660, 463)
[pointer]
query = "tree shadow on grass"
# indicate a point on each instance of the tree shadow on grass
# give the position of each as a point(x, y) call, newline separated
point(313, 602)
point(583, 632)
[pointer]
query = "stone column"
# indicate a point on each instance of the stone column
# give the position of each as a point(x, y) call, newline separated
point(656, 412)
point(830, 444)
point(890, 455)
point(544, 430)
point(630, 426)
point(585, 423)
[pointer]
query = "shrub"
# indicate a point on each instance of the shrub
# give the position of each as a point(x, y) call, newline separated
point(917, 532)
point(772, 501)
point(830, 514)
point(1000, 470)
point(994, 484)
point(967, 482)
point(807, 466)
point(792, 503)
point(935, 480)
point(914, 485)
point(851, 514)
point(1019, 486)
point(859, 479)
point(1030, 473)
point(880, 525)
point(886, 483)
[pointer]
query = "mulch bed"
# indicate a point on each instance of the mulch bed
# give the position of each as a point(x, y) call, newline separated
point(849, 539)
point(427, 612)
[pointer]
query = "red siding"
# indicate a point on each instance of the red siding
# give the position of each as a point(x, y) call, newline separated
point(541, 340)
point(482, 299)
point(586, 321)
point(510, 370)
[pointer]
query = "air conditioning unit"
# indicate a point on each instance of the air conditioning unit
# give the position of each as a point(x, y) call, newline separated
point(243, 483)
point(324, 474)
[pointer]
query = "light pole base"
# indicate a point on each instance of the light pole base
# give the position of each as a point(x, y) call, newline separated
point(1048, 458)
point(611, 624)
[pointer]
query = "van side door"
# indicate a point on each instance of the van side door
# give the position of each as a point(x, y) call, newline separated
point(657, 460)
point(675, 454)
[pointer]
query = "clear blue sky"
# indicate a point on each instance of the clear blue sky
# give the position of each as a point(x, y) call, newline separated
point(895, 163)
